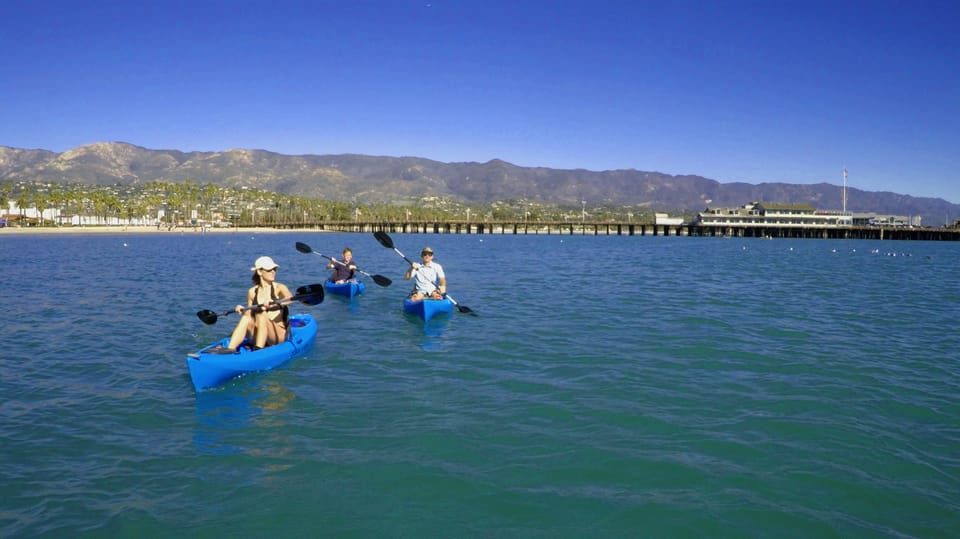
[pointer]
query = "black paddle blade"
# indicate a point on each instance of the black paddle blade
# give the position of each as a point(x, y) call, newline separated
point(384, 239)
point(381, 280)
point(311, 294)
point(462, 308)
point(207, 316)
point(304, 248)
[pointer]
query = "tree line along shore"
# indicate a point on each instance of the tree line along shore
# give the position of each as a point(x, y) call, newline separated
point(181, 205)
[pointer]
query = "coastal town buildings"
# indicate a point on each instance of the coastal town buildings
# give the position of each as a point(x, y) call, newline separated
point(795, 215)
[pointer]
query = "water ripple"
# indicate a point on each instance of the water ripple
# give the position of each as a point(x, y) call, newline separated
point(695, 387)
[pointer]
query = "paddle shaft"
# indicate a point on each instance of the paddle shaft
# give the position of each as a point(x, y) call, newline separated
point(281, 301)
point(314, 291)
point(403, 256)
point(272, 303)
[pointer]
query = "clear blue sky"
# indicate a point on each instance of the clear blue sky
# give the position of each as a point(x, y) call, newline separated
point(751, 91)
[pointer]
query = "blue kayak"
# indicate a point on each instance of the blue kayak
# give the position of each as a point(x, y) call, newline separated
point(210, 369)
point(348, 289)
point(427, 308)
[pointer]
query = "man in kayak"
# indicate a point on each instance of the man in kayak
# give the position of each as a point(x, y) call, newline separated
point(429, 279)
point(343, 271)
point(265, 325)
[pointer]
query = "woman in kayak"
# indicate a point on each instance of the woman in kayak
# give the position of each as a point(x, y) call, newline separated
point(265, 325)
point(429, 279)
point(343, 271)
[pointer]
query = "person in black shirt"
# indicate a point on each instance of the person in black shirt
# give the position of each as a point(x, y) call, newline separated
point(343, 271)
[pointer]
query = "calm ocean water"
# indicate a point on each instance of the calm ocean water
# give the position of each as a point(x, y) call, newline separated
point(610, 387)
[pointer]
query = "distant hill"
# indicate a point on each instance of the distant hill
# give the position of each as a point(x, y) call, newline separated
point(371, 179)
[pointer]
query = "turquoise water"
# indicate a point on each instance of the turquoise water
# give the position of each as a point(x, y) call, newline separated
point(609, 387)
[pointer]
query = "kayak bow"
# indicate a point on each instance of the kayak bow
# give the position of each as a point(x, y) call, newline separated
point(347, 290)
point(427, 308)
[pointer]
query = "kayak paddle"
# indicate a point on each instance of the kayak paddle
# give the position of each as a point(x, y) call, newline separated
point(387, 242)
point(379, 279)
point(311, 294)
point(462, 308)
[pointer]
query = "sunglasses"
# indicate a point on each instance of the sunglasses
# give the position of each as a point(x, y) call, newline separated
point(271, 269)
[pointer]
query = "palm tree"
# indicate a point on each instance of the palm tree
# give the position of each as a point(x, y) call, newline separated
point(153, 202)
point(208, 194)
point(99, 200)
point(74, 198)
point(24, 202)
point(57, 198)
point(41, 201)
point(5, 198)
point(174, 197)
point(113, 205)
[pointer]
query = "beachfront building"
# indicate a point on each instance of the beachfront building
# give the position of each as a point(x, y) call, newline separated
point(665, 219)
point(772, 214)
point(17, 216)
point(875, 219)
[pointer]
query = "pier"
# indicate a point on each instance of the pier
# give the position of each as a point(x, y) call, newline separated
point(588, 228)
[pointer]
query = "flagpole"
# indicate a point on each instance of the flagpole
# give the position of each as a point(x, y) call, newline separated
point(844, 212)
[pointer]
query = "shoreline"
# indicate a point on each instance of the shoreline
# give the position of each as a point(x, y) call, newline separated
point(114, 229)
point(516, 228)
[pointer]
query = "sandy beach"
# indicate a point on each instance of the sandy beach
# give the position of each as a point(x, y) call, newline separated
point(16, 231)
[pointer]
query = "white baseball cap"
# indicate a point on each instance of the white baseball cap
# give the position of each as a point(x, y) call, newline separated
point(264, 262)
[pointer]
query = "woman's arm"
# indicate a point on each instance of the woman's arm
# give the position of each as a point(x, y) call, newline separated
point(250, 298)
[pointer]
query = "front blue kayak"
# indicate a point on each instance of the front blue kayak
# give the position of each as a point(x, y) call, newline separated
point(348, 289)
point(427, 308)
point(209, 370)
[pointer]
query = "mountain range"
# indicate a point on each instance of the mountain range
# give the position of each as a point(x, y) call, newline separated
point(369, 179)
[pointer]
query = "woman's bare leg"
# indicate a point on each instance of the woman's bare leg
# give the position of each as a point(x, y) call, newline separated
point(244, 327)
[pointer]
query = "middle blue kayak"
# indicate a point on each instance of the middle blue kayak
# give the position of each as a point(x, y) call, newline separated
point(427, 308)
point(348, 289)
